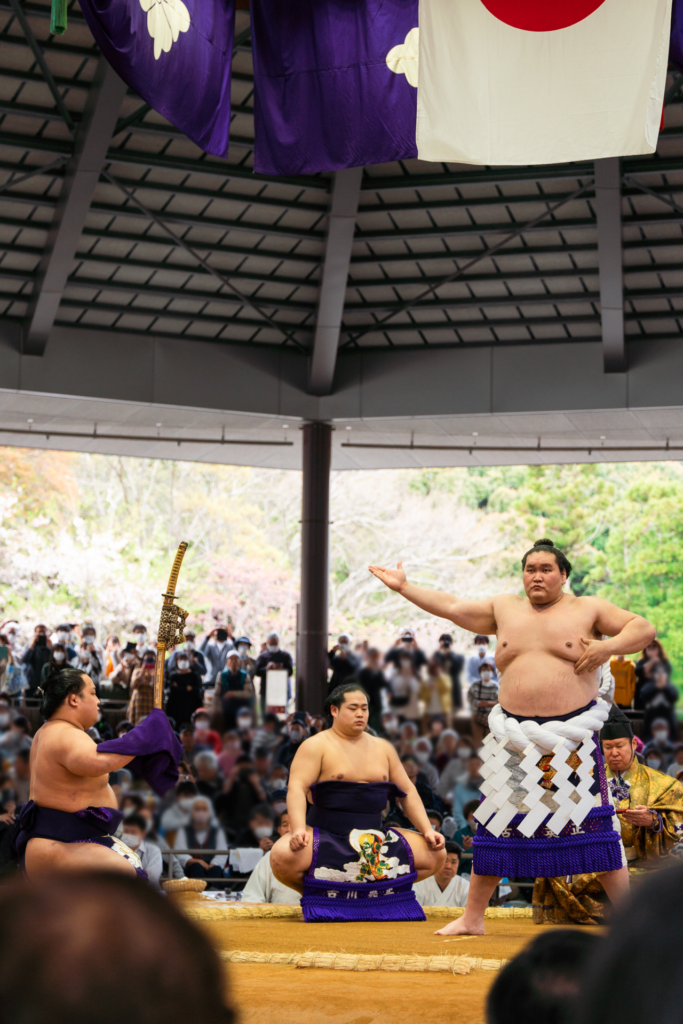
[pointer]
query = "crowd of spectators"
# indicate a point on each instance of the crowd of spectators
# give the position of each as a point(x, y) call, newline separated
point(230, 804)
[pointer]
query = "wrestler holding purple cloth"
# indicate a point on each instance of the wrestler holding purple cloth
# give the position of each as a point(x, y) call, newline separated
point(347, 865)
point(545, 808)
point(71, 821)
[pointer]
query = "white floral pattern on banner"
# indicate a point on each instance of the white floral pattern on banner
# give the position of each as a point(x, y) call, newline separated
point(403, 59)
point(166, 19)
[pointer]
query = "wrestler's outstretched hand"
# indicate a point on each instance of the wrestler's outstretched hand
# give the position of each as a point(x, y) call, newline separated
point(435, 840)
point(392, 578)
point(595, 654)
point(298, 839)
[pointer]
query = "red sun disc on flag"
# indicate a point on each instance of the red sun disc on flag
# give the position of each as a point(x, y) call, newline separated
point(541, 15)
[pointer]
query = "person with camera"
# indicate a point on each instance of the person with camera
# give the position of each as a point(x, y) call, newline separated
point(37, 654)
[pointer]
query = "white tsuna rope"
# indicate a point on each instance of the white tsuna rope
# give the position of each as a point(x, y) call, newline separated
point(533, 741)
point(520, 734)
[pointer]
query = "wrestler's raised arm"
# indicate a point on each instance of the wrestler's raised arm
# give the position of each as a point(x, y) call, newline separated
point(626, 633)
point(79, 755)
point(475, 616)
point(412, 805)
point(304, 771)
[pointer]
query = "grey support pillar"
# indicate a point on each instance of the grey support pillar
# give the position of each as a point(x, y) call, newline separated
point(82, 175)
point(335, 272)
point(311, 672)
point(608, 210)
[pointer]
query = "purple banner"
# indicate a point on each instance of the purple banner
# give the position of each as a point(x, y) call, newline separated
point(676, 45)
point(176, 54)
point(335, 83)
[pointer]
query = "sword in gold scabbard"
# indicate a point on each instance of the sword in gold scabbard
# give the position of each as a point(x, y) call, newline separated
point(171, 625)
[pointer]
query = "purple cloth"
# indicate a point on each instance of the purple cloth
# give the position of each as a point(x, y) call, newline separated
point(190, 83)
point(88, 825)
point(324, 95)
point(340, 806)
point(676, 43)
point(357, 875)
point(156, 748)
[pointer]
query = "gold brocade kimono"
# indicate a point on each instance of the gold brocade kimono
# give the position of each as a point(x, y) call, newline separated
point(578, 901)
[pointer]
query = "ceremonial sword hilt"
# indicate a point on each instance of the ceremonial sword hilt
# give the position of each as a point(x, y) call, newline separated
point(171, 625)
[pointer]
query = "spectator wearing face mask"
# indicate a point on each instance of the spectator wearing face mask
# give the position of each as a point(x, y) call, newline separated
point(204, 734)
point(185, 691)
point(64, 635)
point(659, 698)
point(263, 886)
point(475, 661)
point(445, 750)
point(142, 690)
point(89, 636)
point(202, 832)
point(88, 662)
point(435, 693)
point(277, 800)
point(260, 831)
point(242, 646)
point(374, 682)
point(188, 650)
point(465, 835)
point(446, 888)
point(118, 685)
point(209, 779)
point(234, 691)
point(134, 832)
point(215, 647)
point(406, 738)
point(343, 662)
point(482, 696)
point(277, 780)
point(422, 749)
point(58, 660)
point(35, 656)
point(406, 647)
point(389, 727)
point(297, 733)
point(178, 814)
point(658, 753)
point(141, 640)
point(272, 657)
point(466, 790)
point(677, 763)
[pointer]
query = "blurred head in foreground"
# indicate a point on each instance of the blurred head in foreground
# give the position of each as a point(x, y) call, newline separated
point(78, 950)
point(637, 973)
point(542, 984)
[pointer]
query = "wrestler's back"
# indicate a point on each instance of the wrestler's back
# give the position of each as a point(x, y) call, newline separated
point(536, 651)
point(365, 759)
point(53, 785)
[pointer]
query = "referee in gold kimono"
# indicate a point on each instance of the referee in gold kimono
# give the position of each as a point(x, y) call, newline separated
point(650, 810)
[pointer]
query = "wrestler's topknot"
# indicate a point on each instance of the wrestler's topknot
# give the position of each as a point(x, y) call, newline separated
point(547, 545)
point(59, 683)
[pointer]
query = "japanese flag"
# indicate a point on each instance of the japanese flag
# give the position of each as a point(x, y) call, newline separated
point(540, 81)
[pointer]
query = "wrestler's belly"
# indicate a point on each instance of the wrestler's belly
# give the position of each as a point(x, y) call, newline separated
point(92, 793)
point(538, 683)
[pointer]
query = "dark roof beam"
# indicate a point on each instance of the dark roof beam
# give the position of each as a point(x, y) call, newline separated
point(82, 174)
point(334, 276)
point(610, 261)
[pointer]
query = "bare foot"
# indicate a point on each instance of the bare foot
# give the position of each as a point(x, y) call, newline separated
point(461, 927)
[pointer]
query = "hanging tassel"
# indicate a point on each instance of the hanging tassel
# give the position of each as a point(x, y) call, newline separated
point(58, 17)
